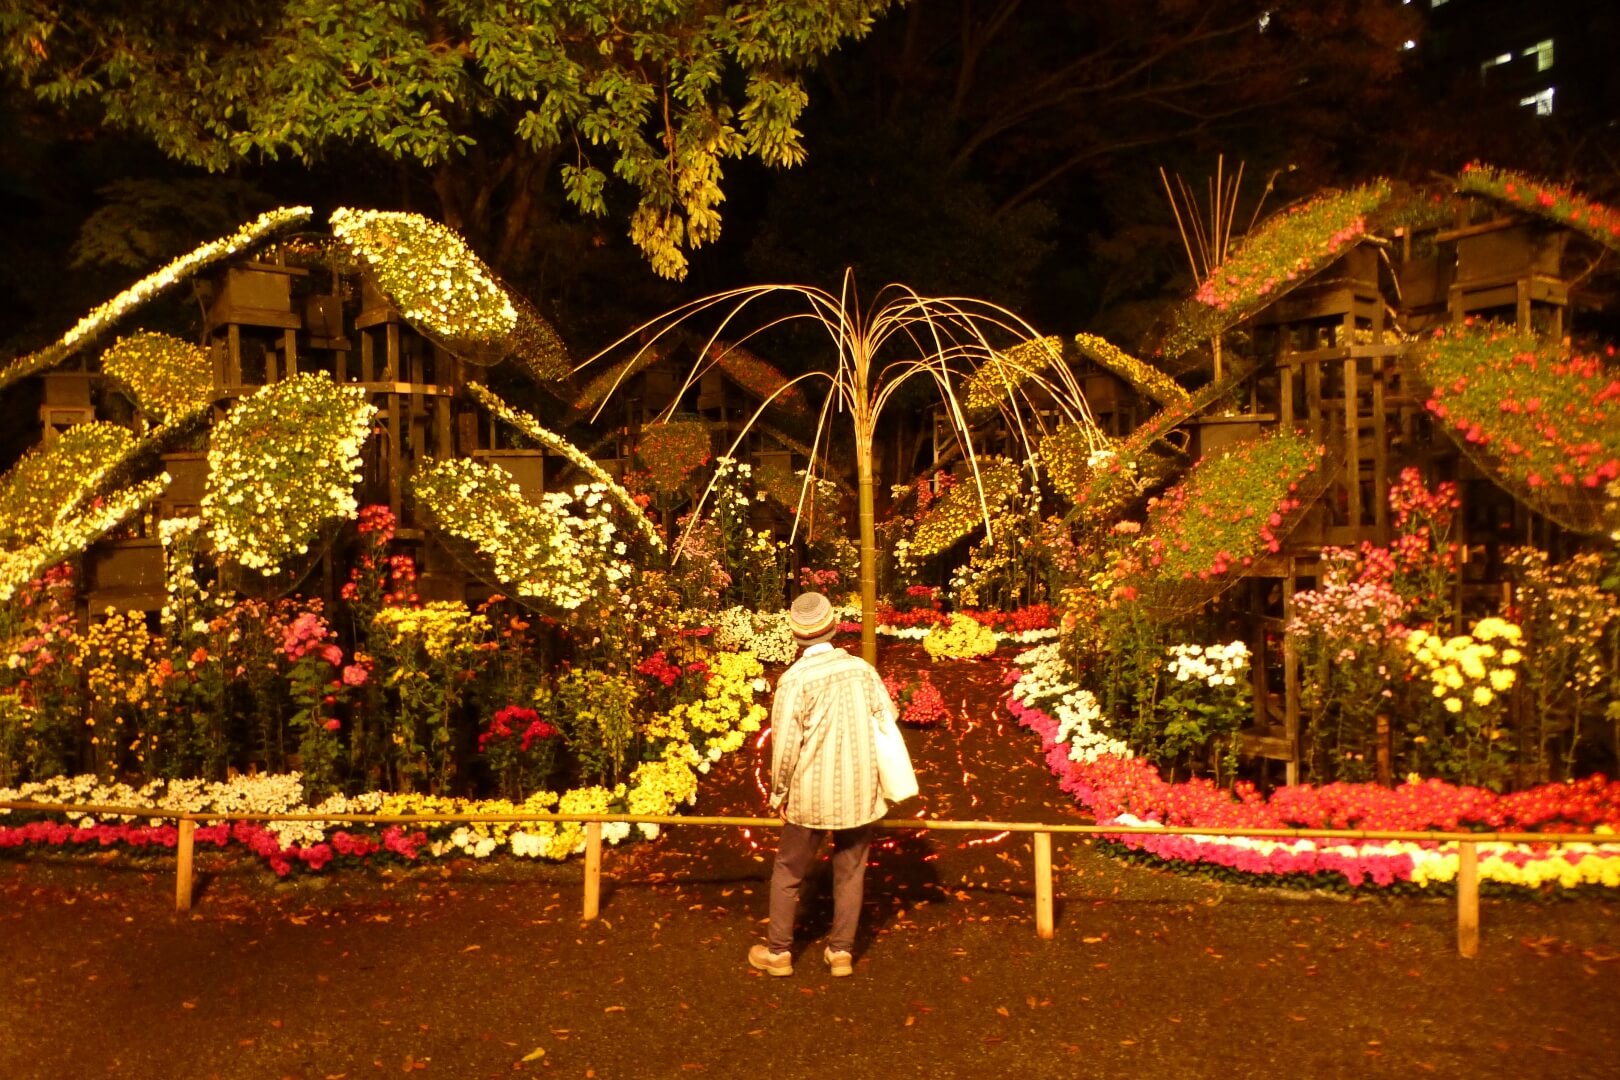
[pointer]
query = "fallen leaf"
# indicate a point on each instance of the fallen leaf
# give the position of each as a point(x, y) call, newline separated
point(1091, 940)
point(910, 1020)
point(472, 948)
point(534, 1055)
point(1002, 1009)
point(614, 1009)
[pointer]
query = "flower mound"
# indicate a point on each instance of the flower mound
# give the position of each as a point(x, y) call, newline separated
point(1228, 510)
point(51, 479)
point(439, 285)
point(282, 464)
point(997, 378)
point(960, 639)
point(167, 377)
point(1541, 419)
point(960, 512)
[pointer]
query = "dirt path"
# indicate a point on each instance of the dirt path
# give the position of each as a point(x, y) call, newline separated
point(466, 970)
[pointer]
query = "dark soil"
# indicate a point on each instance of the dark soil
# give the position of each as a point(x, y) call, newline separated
point(485, 969)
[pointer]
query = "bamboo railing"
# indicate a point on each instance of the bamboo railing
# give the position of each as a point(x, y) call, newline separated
point(1041, 833)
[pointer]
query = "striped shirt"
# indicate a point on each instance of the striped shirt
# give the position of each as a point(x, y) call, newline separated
point(823, 752)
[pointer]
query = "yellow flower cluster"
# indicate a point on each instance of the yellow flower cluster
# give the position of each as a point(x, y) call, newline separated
point(167, 376)
point(995, 380)
point(1147, 379)
point(725, 716)
point(115, 657)
point(962, 639)
point(1469, 668)
point(960, 512)
point(427, 270)
point(50, 480)
point(444, 628)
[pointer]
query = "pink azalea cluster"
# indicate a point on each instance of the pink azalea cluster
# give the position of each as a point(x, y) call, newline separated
point(1112, 786)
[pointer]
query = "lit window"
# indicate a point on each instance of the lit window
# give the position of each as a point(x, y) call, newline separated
point(1409, 44)
point(1543, 52)
point(1436, 3)
point(1542, 102)
point(1496, 61)
point(1265, 20)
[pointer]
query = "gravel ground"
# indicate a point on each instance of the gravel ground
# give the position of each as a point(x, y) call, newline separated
point(485, 969)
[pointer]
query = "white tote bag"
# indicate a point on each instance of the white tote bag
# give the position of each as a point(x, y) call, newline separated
point(895, 775)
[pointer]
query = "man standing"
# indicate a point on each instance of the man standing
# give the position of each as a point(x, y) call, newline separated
point(824, 778)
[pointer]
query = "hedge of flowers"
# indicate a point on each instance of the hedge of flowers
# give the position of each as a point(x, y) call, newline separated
point(1230, 509)
point(167, 376)
point(281, 465)
point(1540, 417)
point(430, 274)
point(51, 479)
point(994, 381)
point(102, 318)
point(1120, 789)
point(1552, 201)
point(691, 737)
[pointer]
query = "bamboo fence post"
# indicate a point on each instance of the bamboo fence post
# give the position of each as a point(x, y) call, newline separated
point(1043, 886)
point(185, 845)
point(593, 869)
point(1468, 899)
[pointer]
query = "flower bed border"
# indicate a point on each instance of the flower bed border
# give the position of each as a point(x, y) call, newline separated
point(1129, 792)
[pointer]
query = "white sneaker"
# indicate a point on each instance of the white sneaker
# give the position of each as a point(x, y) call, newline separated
point(839, 963)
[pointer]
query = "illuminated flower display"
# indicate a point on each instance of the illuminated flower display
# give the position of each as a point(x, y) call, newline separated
point(1552, 201)
point(1229, 509)
point(432, 276)
point(74, 534)
point(994, 381)
point(167, 377)
point(53, 478)
point(544, 553)
point(1542, 419)
point(529, 426)
point(99, 320)
point(283, 464)
point(1285, 250)
point(961, 511)
point(961, 638)
point(1147, 379)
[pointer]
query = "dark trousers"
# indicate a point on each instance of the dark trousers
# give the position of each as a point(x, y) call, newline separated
point(794, 857)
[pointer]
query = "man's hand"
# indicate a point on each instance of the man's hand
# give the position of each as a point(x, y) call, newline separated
point(781, 811)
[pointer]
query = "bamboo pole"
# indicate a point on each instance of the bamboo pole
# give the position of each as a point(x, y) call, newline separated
point(185, 846)
point(1043, 886)
point(593, 869)
point(1468, 899)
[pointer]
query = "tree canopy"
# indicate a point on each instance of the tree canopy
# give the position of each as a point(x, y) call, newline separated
point(655, 94)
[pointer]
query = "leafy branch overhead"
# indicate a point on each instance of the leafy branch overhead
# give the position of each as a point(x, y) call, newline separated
point(638, 91)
